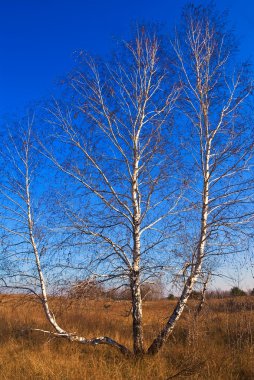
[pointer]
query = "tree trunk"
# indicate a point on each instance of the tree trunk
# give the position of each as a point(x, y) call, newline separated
point(160, 340)
point(137, 326)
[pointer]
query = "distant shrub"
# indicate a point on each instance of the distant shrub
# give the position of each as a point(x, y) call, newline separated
point(236, 292)
point(171, 297)
point(196, 295)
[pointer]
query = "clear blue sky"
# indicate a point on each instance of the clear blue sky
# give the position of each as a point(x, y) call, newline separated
point(38, 37)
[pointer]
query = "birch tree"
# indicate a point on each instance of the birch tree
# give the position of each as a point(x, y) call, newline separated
point(127, 182)
point(114, 127)
point(22, 231)
point(219, 145)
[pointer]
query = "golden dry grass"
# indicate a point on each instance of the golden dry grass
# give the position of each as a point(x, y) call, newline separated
point(219, 345)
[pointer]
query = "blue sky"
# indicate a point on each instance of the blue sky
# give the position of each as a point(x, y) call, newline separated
point(38, 38)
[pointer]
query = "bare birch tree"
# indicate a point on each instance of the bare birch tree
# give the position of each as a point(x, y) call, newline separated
point(21, 228)
point(219, 145)
point(114, 129)
point(123, 190)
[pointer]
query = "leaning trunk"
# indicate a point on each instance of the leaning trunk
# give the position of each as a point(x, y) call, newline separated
point(161, 339)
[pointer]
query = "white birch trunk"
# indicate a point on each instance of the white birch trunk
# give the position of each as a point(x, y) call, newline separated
point(161, 339)
point(135, 285)
point(58, 331)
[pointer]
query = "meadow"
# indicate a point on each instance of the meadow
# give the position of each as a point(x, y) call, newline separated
point(216, 345)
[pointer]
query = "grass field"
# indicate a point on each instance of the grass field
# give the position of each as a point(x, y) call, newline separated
point(218, 345)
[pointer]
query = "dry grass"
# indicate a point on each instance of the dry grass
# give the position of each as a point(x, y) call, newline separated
point(219, 345)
